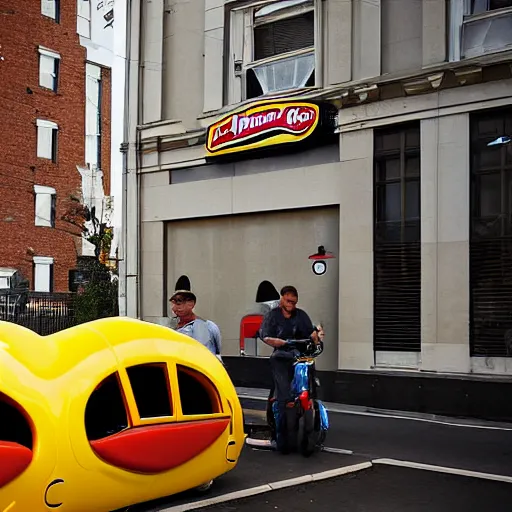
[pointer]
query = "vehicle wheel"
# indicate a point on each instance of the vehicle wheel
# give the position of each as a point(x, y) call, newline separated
point(204, 487)
point(289, 443)
point(307, 435)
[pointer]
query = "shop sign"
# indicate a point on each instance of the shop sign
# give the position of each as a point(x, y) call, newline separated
point(261, 125)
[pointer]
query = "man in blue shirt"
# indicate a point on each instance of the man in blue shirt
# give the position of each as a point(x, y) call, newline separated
point(285, 322)
point(204, 331)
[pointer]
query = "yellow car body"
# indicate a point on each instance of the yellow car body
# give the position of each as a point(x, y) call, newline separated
point(63, 442)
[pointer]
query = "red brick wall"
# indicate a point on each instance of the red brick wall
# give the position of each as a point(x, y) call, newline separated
point(106, 115)
point(23, 28)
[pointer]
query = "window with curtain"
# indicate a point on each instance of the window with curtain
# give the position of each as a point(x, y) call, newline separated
point(397, 239)
point(273, 48)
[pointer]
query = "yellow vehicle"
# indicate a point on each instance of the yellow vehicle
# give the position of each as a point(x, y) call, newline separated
point(111, 413)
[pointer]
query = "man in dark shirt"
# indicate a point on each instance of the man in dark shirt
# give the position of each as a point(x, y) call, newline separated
point(286, 322)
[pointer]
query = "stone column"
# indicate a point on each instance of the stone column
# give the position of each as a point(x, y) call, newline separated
point(434, 31)
point(152, 58)
point(338, 52)
point(356, 251)
point(213, 54)
point(367, 39)
point(445, 243)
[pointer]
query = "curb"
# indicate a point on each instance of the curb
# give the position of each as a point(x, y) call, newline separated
point(442, 469)
point(282, 484)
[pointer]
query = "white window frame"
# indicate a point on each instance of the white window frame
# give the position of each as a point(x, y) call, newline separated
point(242, 27)
point(42, 132)
point(83, 18)
point(44, 206)
point(93, 116)
point(43, 273)
point(51, 9)
point(460, 13)
point(45, 53)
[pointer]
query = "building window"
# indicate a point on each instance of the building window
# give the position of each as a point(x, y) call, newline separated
point(47, 139)
point(479, 27)
point(51, 8)
point(45, 206)
point(273, 48)
point(48, 69)
point(43, 274)
point(93, 116)
point(83, 20)
point(397, 239)
point(491, 234)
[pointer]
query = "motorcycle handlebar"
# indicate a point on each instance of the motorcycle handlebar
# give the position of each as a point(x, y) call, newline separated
point(306, 344)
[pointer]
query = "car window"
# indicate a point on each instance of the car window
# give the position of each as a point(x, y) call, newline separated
point(151, 389)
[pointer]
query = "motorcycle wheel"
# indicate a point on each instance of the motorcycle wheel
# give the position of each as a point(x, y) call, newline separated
point(287, 437)
point(307, 435)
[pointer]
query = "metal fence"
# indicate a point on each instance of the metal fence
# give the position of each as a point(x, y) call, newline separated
point(44, 313)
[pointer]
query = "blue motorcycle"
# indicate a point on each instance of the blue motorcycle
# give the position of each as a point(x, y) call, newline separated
point(304, 424)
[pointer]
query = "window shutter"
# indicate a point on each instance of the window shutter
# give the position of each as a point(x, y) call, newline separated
point(44, 142)
point(43, 210)
point(284, 36)
point(46, 71)
point(397, 240)
point(48, 8)
point(43, 270)
point(92, 111)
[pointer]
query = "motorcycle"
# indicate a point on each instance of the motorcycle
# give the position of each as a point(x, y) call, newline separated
point(305, 421)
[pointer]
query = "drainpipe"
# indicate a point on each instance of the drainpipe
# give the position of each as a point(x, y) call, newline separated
point(130, 175)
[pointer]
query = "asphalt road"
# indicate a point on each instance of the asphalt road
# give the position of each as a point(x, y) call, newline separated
point(476, 449)
point(382, 489)
point(370, 438)
point(257, 467)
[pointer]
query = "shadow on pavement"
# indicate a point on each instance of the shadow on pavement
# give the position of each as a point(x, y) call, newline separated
point(256, 467)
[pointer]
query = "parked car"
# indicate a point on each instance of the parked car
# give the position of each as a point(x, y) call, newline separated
point(14, 288)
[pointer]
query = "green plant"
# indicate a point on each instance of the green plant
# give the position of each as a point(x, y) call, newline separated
point(98, 298)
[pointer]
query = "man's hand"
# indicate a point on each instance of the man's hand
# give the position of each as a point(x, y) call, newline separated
point(318, 335)
point(274, 342)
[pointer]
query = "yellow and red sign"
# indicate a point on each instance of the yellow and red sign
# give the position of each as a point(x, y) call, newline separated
point(262, 124)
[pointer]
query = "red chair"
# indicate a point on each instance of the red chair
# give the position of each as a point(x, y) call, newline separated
point(249, 327)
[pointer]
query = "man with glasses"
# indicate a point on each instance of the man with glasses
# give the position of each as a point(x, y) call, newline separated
point(204, 331)
point(285, 322)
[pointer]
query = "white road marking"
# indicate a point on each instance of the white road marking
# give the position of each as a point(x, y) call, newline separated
point(443, 469)
point(272, 486)
point(265, 443)
point(449, 423)
point(337, 450)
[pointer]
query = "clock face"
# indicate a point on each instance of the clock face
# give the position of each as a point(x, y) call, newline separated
point(319, 268)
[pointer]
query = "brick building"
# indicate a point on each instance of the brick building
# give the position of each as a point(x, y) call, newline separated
point(46, 80)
